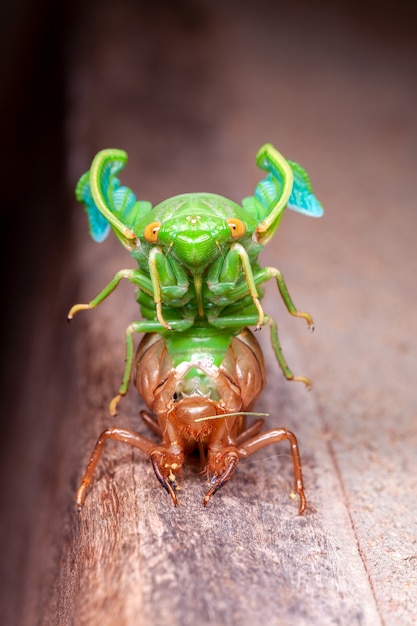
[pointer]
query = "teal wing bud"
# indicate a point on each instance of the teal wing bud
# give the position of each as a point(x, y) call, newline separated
point(108, 203)
point(266, 194)
point(302, 198)
point(286, 185)
point(120, 200)
point(125, 206)
point(271, 194)
point(98, 225)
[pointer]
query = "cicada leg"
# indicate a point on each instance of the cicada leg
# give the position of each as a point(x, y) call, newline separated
point(262, 276)
point(272, 272)
point(223, 281)
point(250, 431)
point(222, 464)
point(146, 326)
point(250, 282)
point(280, 357)
point(118, 434)
point(167, 465)
point(273, 436)
point(151, 422)
point(133, 276)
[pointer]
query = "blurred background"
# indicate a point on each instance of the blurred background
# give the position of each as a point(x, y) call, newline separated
point(191, 90)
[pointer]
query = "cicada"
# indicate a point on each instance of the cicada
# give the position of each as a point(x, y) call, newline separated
point(200, 384)
point(197, 254)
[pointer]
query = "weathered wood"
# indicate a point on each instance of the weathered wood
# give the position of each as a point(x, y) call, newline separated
point(193, 121)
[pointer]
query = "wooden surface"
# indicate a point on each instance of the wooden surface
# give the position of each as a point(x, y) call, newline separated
point(191, 94)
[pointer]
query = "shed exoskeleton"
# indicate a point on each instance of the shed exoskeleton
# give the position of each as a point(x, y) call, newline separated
point(198, 386)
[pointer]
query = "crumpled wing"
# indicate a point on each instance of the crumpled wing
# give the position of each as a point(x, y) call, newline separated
point(286, 184)
point(109, 204)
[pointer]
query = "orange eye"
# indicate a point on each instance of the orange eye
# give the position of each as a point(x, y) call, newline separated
point(151, 232)
point(237, 228)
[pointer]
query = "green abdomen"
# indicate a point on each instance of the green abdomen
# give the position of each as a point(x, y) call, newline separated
point(197, 344)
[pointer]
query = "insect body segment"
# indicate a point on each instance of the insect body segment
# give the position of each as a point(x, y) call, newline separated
point(197, 254)
point(199, 386)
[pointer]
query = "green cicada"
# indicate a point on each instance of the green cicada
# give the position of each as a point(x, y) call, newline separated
point(197, 253)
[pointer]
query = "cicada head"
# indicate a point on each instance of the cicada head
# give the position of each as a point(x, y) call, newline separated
point(197, 228)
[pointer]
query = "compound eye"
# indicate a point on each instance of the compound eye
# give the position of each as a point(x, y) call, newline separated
point(151, 232)
point(237, 228)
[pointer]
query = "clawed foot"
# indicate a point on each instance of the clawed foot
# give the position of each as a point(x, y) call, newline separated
point(299, 488)
point(114, 404)
point(302, 379)
point(222, 465)
point(76, 308)
point(167, 466)
point(308, 318)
